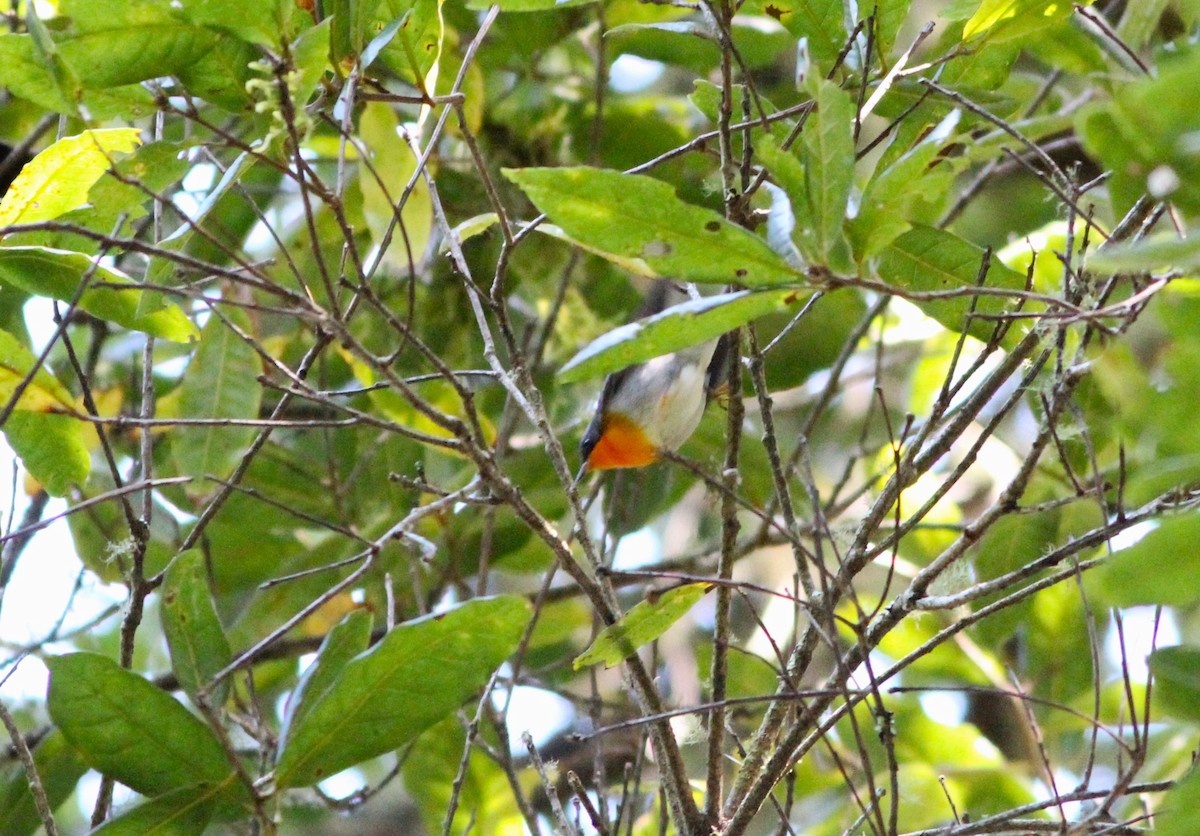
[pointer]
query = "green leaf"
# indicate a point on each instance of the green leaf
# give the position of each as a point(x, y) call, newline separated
point(692, 44)
point(64, 76)
point(1014, 541)
point(811, 344)
point(182, 812)
point(262, 22)
point(527, 5)
point(51, 445)
point(1139, 20)
point(58, 179)
point(58, 766)
point(706, 97)
point(26, 73)
point(1176, 672)
point(1161, 568)
point(925, 260)
point(109, 44)
point(828, 139)
point(885, 212)
point(683, 44)
point(1008, 19)
point(429, 774)
point(199, 648)
point(1034, 255)
point(1158, 252)
point(1066, 47)
point(635, 217)
point(53, 448)
point(220, 75)
point(1058, 658)
point(310, 56)
point(221, 381)
point(393, 160)
point(12, 312)
point(477, 225)
point(818, 177)
point(348, 638)
point(679, 326)
point(1143, 136)
point(889, 17)
point(417, 47)
point(823, 24)
point(636, 266)
point(980, 70)
point(990, 13)
point(789, 173)
point(382, 40)
point(1176, 815)
point(352, 26)
point(420, 672)
point(129, 730)
point(643, 624)
point(44, 271)
point(96, 54)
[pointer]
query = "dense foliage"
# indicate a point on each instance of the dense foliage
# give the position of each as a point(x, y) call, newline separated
point(304, 307)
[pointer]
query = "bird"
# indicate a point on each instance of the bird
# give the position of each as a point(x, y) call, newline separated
point(652, 408)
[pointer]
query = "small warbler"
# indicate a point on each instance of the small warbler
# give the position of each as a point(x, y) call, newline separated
point(653, 407)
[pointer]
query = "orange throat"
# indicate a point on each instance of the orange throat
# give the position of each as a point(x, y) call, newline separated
point(622, 444)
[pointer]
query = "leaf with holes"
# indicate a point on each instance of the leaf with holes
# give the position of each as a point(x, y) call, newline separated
point(199, 648)
point(634, 217)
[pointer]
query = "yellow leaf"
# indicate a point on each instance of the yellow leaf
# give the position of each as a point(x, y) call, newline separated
point(43, 393)
point(328, 615)
point(108, 405)
point(988, 15)
point(58, 179)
